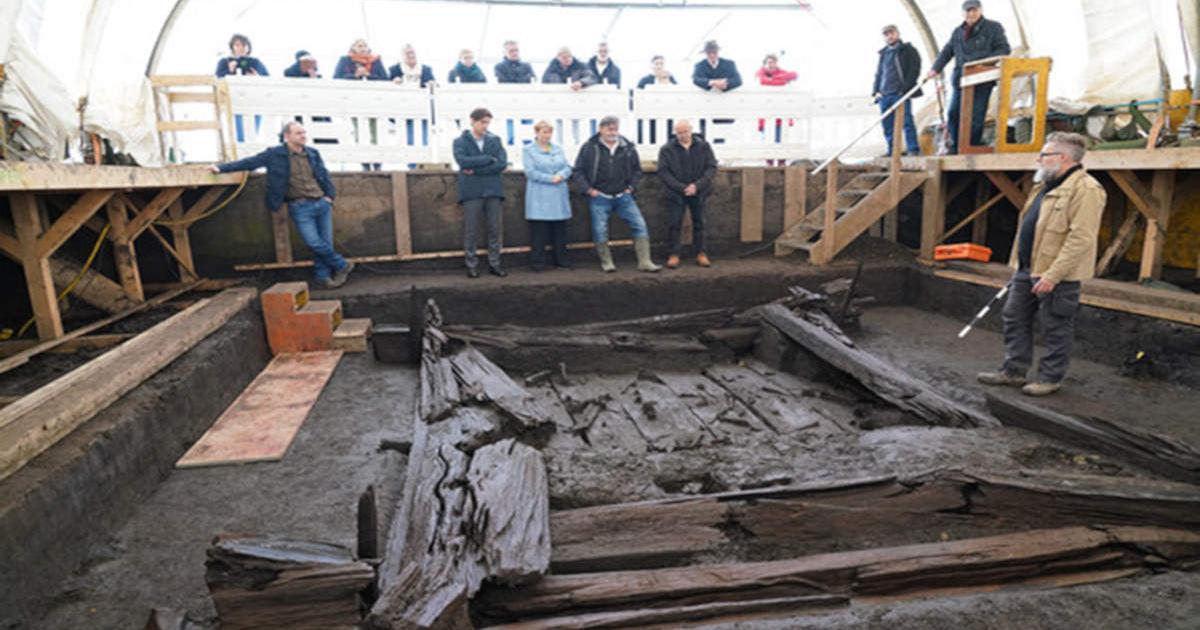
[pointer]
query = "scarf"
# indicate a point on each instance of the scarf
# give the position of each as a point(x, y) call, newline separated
point(366, 60)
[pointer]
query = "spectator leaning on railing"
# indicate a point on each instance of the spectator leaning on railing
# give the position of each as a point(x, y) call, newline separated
point(511, 69)
point(481, 158)
point(714, 72)
point(976, 38)
point(409, 72)
point(658, 73)
point(466, 70)
point(304, 68)
point(603, 67)
point(360, 64)
point(296, 175)
point(240, 62)
point(565, 68)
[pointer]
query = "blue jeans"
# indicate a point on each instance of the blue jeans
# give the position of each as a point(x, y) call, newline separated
point(626, 208)
point(314, 222)
point(889, 124)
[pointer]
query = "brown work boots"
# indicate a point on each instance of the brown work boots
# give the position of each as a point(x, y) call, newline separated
point(701, 259)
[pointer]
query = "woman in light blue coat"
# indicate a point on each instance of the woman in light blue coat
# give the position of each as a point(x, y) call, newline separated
point(547, 201)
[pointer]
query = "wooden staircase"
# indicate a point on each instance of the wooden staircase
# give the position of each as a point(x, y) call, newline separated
point(858, 205)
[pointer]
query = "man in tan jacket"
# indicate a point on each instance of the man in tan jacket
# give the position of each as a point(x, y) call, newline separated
point(1054, 250)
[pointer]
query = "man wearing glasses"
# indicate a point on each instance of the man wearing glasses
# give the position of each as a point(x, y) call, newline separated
point(1055, 249)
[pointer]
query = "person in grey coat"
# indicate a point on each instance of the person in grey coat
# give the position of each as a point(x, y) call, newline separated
point(976, 38)
point(481, 158)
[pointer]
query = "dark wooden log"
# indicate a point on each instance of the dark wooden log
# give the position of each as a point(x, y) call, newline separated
point(1158, 453)
point(368, 525)
point(674, 615)
point(268, 583)
point(1054, 554)
point(816, 333)
point(798, 520)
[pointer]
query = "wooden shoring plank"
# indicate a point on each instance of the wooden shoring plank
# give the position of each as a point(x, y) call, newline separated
point(177, 80)
point(40, 419)
point(189, 125)
point(87, 205)
point(971, 217)
point(979, 225)
point(181, 238)
point(400, 214)
point(10, 246)
point(795, 195)
point(1121, 241)
point(1010, 189)
point(1136, 191)
point(202, 204)
point(90, 342)
point(191, 97)
point(150, 211)
point(262, 422)
point(38, 278)
point(1163, 193)
point(185, 267)
point(124, 253)
point(456, 253)
point(282, 233)
point(752, 205)
point(827, 248)
point(933, 210)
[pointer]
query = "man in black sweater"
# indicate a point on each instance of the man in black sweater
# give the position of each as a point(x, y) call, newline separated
point(897, 73)
point(976, 38)
point(686, 167)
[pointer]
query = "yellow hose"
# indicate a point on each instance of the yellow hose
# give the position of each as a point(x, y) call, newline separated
point(79, 276)
point(208, 213)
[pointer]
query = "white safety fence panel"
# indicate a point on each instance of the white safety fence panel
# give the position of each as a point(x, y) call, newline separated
point(836, 121)
point(747, 124)
point(349, 121)
point(516, 108)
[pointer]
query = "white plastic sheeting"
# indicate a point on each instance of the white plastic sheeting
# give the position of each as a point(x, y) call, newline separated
point(1104, 50)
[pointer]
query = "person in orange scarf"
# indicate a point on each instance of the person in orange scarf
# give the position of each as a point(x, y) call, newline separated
point(361, 64)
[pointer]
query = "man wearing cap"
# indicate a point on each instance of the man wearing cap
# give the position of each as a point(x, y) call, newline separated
point(304, 68)
point(1054, 250)
point(897, 72)
point(714, 73)
point(976, 38)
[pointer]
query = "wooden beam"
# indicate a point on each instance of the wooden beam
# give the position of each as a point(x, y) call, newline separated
point(69, 346)
point(417, 256)
point(971, 217)
point(400, 216)
point(185, 266)
point(1137, 192)
point(1163, 193)
point(933, 211)
point(281, 230)
point(183, 242)
point(39, 176)
point(71, 220)
point(40, 419)
point(202, 204)
point(124, 253)
point(188, 125)
point(752, 205)
point(828, 245)
point(1014, 194)
point(38, 279)
point(1121, 241)
point(150, 212)
point(795, 196)
point(1125, 159)
point(979, 225)
point(10, 246)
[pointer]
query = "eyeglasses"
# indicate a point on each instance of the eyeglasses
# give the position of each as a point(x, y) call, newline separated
point(1046, 154)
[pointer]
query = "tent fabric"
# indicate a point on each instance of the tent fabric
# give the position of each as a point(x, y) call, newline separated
point(1105, 51)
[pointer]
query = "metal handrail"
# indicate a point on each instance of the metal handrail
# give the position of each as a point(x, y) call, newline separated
point(879, 120)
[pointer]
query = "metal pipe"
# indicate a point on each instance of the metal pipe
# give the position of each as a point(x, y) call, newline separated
point(879, 120)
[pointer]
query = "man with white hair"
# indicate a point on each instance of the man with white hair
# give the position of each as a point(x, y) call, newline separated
point(565, 68)
point(1054, 250)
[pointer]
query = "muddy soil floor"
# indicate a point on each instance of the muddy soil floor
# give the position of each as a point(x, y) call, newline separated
point(157, 558)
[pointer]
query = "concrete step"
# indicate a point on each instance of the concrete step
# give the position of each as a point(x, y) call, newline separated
point(283, 299)
point(352, 335)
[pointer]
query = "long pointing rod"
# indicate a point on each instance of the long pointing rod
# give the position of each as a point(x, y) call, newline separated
point(984, 311)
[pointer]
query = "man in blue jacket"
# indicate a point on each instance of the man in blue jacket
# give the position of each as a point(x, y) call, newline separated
point(511, 69)
point(603, 67)
point(714, 73)
point(565, 68)
point(976, 38)
point(296, 175)
point(481, 158)
point(897, 73)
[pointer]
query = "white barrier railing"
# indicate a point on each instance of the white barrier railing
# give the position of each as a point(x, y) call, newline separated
point(356, 122)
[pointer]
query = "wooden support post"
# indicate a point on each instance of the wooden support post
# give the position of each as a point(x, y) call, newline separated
point(1163, 192)
point(183, 243)
point(979, 225)
point(933, 211)
point(70, 221)
point(1011, 190)
point(42, 297)
point(400, 213)
point(283, 236)
point(891, 221)
point(795, 195)
point(828, 234)
point(752, 205)
point(123, 250)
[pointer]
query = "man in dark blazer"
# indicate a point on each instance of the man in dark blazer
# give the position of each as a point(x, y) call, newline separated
point(976, 38)
point(897, 73)
point(714, 73)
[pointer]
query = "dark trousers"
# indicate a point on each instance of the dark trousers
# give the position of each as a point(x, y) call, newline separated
point(983, 93)
point(476, 211)
point(1056, 310)
point(543, 233)
point(676, 207)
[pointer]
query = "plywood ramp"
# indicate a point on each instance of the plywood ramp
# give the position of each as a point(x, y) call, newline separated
point(260, 425)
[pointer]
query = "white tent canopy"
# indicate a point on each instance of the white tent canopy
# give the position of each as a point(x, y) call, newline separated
point(1105, 51)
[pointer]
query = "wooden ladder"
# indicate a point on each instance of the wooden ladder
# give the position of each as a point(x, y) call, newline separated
point(171, 90)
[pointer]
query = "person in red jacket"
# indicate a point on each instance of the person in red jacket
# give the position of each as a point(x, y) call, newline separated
point(771, 74)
